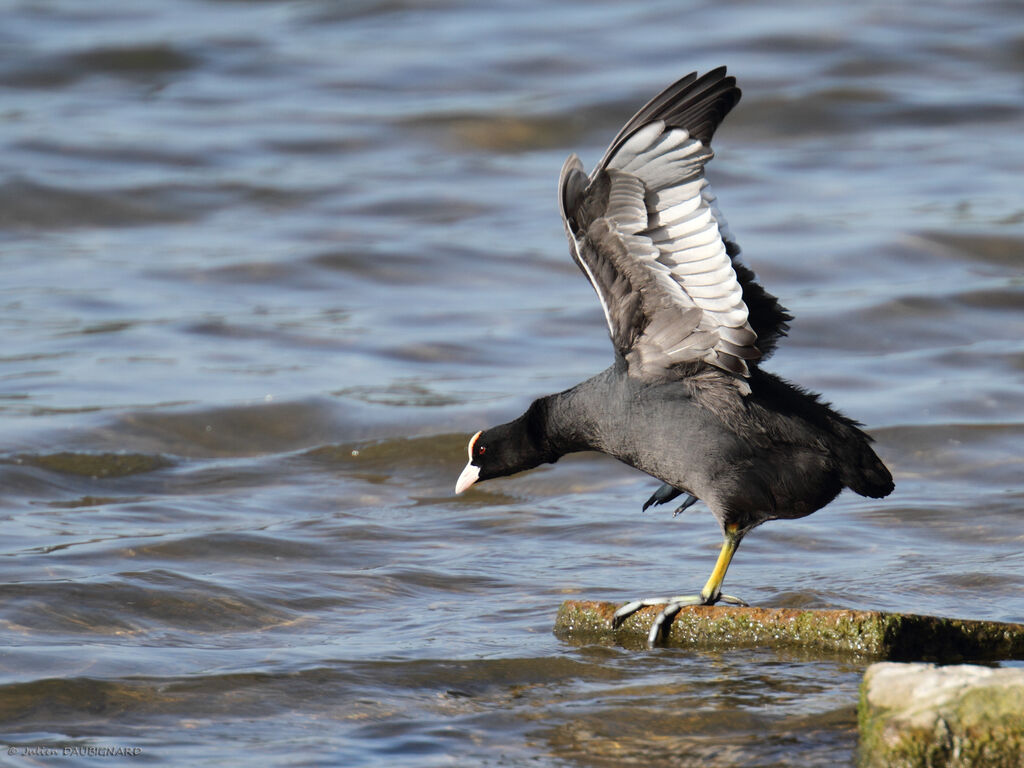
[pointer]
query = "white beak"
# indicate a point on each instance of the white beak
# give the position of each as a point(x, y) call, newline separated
point(469, 476)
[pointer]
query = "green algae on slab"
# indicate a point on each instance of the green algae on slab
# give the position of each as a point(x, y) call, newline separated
point(893, 636)
point(923, 716)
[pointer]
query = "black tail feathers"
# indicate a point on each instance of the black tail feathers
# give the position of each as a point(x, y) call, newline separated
point(862, 471)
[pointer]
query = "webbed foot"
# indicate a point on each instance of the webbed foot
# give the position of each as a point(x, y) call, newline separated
point(711, 594)
point(665, 494)
point(672, 605)
point(688, 502)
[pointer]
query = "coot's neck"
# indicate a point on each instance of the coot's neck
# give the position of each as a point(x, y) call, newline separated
point(563, 422)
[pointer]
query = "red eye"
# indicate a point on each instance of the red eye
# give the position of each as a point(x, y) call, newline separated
point(475, 450)
point(481, 450)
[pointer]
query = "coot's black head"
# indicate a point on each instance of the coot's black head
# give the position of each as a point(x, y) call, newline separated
point(507, 449)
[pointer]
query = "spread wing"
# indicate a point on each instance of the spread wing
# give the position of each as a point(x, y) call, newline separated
point(646, 231)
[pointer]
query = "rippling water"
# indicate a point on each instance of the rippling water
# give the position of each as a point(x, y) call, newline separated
point(267, 265)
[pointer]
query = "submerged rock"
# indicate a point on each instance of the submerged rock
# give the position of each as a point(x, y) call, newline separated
point(920, 715)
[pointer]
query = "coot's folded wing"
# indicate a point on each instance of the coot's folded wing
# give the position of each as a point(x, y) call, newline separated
point(645, 230)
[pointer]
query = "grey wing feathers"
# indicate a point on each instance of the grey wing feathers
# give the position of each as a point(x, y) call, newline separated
point(645, 230)
point(697, 104)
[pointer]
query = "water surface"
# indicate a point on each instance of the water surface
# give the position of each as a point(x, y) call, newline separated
point(267, 266)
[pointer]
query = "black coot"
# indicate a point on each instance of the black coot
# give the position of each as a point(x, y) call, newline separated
point(686, 400)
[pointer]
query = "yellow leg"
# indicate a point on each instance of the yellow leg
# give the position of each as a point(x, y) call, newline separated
point(711, 594)
point(713, 589)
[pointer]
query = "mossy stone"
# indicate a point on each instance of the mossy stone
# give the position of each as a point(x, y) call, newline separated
point(892, 636)
point(923, 716)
